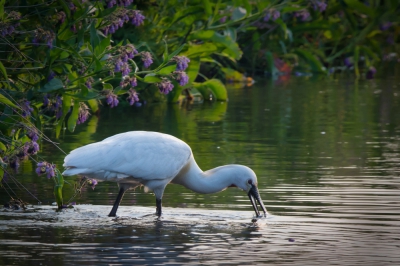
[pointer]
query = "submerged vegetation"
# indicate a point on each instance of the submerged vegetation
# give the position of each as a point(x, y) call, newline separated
point(60, 60)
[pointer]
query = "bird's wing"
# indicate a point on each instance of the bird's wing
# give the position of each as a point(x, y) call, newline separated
point(143, 155)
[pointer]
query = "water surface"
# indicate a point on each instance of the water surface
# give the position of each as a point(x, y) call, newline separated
point(326, 153)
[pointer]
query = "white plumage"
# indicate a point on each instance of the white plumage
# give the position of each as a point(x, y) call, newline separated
point(154, 159)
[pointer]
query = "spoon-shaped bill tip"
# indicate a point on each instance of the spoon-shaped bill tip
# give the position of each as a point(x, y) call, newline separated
point(254, 197)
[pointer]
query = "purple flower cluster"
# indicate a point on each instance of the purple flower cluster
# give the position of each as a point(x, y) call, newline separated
point(165, 86)
point(53, 104)
point(320, 5)
point(83, 113)
point(371, 72)
point(41, 35)
point(51, 75)
point(272, 14)
point(112, 99)
point(132, 96)
point(126, 81)
point(347, 62)
point(26, 108)
point(32, 147)
point(385, 26)
point(92, 183)
point(122, 67)
point(302, 15)
point(147, 59)
point(89, 82)
point(121, 61)
point(72, 7)
point(46, 168)
point(61, 17)
point(181, 77)
point(8, 28)
point(122, 16)
point(33, 135)
point(121, 3)
point(182, 62)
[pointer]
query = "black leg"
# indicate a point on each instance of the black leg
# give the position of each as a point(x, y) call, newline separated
point(158, 204)
point(114, 209)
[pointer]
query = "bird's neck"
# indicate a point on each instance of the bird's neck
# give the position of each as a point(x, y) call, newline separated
point(210, 181)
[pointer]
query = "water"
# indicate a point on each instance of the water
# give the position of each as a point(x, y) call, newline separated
point(326, 153)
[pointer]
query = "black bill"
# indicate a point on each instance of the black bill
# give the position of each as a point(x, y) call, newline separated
point(255, 196)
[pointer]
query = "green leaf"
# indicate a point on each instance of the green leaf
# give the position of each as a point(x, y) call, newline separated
point(3, 147)
point(203, 49)
point(107, 86)
point(52, 85)
point(58, 196)
point(360, 7)
point(215, 86)
point(73, 117)
point(176, 52)
point(151, 78)
point(3, 71)
point(238, 13)
point(186, 12)
point(232, 48)
point(165, 54)
point(94, 105)
point(6, 101)
point(167, 70)
point(356, 58)
point(193, 70)
point(94, 37)
point(207, 7)
point(101, 48)
point(315, 64)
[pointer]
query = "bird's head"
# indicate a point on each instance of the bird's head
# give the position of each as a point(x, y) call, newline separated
point(246, 179)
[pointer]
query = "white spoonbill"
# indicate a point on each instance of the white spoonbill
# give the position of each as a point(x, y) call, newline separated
point(154, 160)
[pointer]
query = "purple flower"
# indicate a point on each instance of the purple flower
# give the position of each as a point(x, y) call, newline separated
point(33, 148)
point(165, 86)
point(72, 7)
point(371, 72)
point(181, 62)
point(385, 26)
point(267, 16)
point(125, 69)
point(126, 80)
point(46, 100)
point(112, 99)
point(14, 163)
point(147, 59)
point(46, 168)
point(33, 135)
point(320, 5)
point(51, 75)
point(61, 17)
point(136, 18)
point(89, 82)
point(58, 102)
point(347, 62)
point(132, 97)
point(303, 15)
point(275, 14)
point(83, 113)
point(223, 19)
point(118, 65)
point(92, 183)
point(130, 50)
point(26, 108)
point(182, 78)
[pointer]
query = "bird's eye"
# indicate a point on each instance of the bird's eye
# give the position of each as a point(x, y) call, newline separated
point(250, 182)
